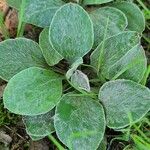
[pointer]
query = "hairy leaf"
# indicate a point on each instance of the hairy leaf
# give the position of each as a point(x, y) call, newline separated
point(79, 122)
point(80, 80)
point(107, 21)
point(17, 55)
point(92, 2)
point(136, 21)
point(120, 56)
point(74, 67)
point(40, 125)
point(33, 91)
point(38, 12)
point(41, 12)
point(121, 98)
point(52, 56)
point(71, 32)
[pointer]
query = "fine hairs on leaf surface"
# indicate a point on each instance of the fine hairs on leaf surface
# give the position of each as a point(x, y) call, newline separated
point(122, 97)
point(121, 56)
point(40, 125)
point(117, 23)
point(33, 91)
point(136, 20)
point(104, 37)
point(17, 55)
point(77, 40)
point(79, 122)
point(52, 57)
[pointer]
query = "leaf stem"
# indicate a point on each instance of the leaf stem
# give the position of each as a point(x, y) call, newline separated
point(21, 25)
point(55, 142)
point(147, 73)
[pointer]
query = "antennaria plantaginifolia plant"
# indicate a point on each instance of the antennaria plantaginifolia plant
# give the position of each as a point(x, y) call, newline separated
point(79, 109)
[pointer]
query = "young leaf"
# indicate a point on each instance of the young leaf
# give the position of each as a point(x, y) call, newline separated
point(117, 22)
point(38, 12)
point(33, 91)
point(121, 98)
point(71, 32)
point(17, 55)
point(74, 67)
point(92, 2)
point(52, 56)
point(79, 122)
point(120, 56)
point(41, 125)
point(80, 80)
point(136, 20)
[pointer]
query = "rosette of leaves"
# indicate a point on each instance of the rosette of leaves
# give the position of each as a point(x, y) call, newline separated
point(78, 114)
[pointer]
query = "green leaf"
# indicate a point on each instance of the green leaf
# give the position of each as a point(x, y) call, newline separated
point(52, 56)
point(71, 32)
point(14, 3)
point(136, 20)
point(120, 56)
point(40, 125)
point(41, 12)
point(17, 55)
point(115, 19)
point(121, 98)
point(79, 122)
point(80, 80)
point(74, 67)
point(92, 2)
point(38, 12)
point(33, 91)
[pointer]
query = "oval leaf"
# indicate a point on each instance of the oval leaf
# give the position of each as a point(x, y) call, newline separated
point(52, 56)
point(122, 97)
point(33, 91)
point(80, 80)
point(107, 21)
point(71, 32)
point(79, 122)
point(17, 55)
point(91, 2)
point(136, 20)
point(120, 56)
point(40, 125)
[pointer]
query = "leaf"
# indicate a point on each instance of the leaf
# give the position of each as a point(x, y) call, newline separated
point(71, 32)
point(115, 19)
point(17, 55)
point(33, 91)
point(136, 20)
point(91, 2)
point(120, 56)
point(40, 125)
point(74, 67)
point(79, 122)
point(80, 80)
point(38, 12)
point(52, 56)
point(14, 3)
point(122, 97)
